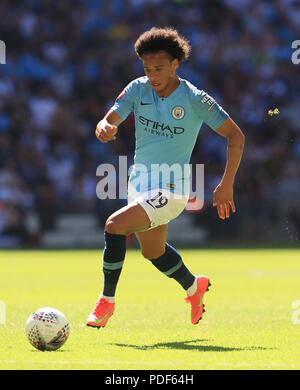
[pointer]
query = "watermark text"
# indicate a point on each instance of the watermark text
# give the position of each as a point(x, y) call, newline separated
point(2, 313)
point(296, 54)
point(178, 179)
point(2, 53)
point(296, 312)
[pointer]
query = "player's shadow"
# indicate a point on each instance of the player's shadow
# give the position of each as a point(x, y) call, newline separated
point(190, 345)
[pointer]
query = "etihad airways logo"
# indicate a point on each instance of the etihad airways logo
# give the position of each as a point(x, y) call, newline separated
point(160, 129)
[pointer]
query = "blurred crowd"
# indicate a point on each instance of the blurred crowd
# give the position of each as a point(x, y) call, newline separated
point(67, 60)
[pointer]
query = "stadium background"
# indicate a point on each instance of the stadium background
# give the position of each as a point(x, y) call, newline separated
point(66, 63)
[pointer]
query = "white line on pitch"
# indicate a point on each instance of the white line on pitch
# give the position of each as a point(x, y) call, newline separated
point(104, 362)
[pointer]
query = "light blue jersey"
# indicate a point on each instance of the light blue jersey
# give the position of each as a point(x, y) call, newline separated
point(166, 130)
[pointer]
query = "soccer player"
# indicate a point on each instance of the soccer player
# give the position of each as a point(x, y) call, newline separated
point(169, 112)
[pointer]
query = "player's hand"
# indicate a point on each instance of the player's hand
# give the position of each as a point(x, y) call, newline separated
point(106, 132)
point(223, 200)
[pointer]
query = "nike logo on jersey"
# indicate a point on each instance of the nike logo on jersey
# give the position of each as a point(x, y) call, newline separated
point(145, 104)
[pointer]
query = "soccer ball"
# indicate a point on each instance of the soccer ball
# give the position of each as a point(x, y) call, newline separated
point(47, 329)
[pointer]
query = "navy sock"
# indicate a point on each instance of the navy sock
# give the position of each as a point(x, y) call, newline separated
point(113, 259)
point(171, 264)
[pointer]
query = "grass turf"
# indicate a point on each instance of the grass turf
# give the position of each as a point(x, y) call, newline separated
point(247, 325)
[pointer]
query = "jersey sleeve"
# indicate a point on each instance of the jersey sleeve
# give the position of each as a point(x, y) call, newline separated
point(208, 109)
point(124, 104)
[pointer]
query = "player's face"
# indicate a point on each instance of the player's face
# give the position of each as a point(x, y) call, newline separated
point(161, 72)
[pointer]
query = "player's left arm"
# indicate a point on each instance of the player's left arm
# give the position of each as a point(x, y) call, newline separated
point(223, 194)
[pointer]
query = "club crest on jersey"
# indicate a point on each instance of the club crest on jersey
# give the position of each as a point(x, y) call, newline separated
point(178, 112)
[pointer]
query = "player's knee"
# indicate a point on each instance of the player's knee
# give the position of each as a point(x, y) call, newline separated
point(112, 226)
point(152, 253)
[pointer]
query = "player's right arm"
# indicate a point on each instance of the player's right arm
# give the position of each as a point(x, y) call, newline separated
point(107, 128)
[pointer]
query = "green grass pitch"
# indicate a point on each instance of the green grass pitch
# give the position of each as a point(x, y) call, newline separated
point(251, 321)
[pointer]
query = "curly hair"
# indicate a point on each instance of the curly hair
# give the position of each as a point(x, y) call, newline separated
point(167, 39)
